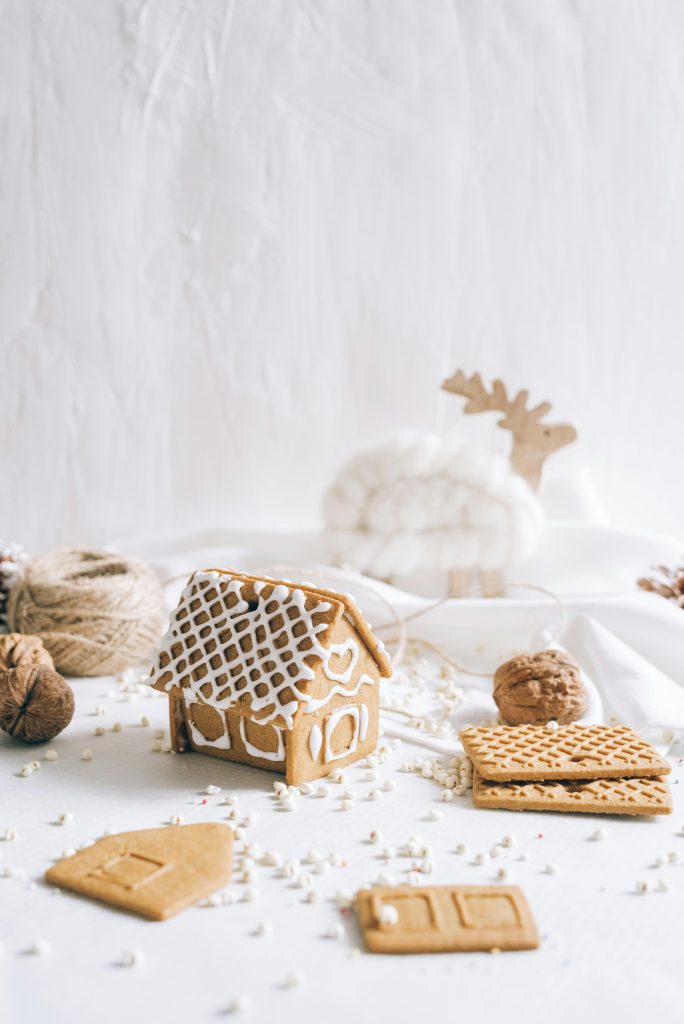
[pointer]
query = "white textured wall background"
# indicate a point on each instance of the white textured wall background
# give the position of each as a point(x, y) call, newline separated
point(239, 236)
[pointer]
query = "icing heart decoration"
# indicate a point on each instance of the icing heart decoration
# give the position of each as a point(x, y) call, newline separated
point(339, 652)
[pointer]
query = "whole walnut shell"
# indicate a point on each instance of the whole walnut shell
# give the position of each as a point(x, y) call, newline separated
point(22, 649)
point(532, 689)
point(36, 703)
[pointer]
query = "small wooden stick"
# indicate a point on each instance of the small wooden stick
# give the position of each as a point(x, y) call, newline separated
point(459, 582)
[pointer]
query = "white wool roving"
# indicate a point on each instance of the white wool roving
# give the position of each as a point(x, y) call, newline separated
point(424, 501)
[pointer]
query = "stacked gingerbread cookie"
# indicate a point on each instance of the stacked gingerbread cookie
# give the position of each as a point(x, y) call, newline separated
point(605, 769)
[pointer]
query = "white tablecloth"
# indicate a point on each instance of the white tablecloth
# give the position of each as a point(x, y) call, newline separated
point(605, 950)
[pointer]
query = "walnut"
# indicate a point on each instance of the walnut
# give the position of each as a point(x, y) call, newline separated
point(36, 703)
point(538, 688)
point(21, 649)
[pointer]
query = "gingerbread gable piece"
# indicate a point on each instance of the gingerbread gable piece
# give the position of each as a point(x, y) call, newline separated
point(268, 672)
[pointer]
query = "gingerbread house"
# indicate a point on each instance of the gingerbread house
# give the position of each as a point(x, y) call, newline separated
point(280, 675)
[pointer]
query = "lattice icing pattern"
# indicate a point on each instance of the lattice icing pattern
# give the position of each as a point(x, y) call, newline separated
point(594, 796)
point(249, 641)
point(532, 752)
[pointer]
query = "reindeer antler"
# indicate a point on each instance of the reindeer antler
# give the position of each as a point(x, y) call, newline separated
point(533, 441)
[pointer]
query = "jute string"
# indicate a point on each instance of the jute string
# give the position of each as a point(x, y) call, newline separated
point(97, 613)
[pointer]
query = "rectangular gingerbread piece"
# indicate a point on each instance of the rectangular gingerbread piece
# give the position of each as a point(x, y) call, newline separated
point(524, 753)
point(584, 796)
point(445, 919)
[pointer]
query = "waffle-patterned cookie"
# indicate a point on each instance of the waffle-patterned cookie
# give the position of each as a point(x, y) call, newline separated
point(593, 796)
point(524, 753)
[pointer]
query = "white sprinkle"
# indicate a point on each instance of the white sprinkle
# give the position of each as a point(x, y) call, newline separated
point(389, 852)
point(673, 857)
point(598, 834)
point(335, 931)
point(264, 929)
point(176, 819)
point(508, 841)
point(312, 896)
point(69, 852)
point(495, 852)
point(289, 803)
point(461, 848)
point(321, 868)
point(344, 898)
point(51, 755)
point(295, 980)
point(132, 958)
point(642, 887)
point(524, 856)
point(479, 858)
point(435, 815)
point(241, 1004)
point(322, 791)
point(389, 785)
point(551, 869)
point(10, 834)
point(40, 947)
point(250, 895)
point(348, 794)
point(117, 727)
point(375, 794)
point(370, 776)
point(552, 726)
point(663, 885)
point(250, 820)
point(213, 790)
point(65, 818)
point(388, 915)
point(502, 874)
point(347, 805)
point(230, 801)
point(87, 754)
point(371, 761)
point(305, 789)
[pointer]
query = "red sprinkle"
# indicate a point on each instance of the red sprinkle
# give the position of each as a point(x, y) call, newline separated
point(205, 801)
point(540, 835)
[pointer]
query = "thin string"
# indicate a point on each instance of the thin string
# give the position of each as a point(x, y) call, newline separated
point(399, 623)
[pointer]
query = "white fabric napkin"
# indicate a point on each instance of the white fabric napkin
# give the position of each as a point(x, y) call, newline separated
point(632, 689)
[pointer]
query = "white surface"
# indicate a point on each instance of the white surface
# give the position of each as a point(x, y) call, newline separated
point(239, 239)
point(604, 950)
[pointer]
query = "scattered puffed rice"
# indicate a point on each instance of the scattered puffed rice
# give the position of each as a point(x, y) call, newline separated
point(65, 818)
point(51, 755)
point(375, 836)
point(295, 980)
point(435, 815)
point(502, 874)
point(598, 834)
point(551, 869)
point(10, 834)
point(552, 726)
point(176, 819)
point(335, 931)
point(461, 848)
point(663, 885)
point(388, 915)
point(87, 754)
point(642, 887)
point(26, 770)
point(264, 929)
point(40, 947)
point(213, 790)
point(117, 727)
point(347, 805)
point(132, 958)
point(240, 1004)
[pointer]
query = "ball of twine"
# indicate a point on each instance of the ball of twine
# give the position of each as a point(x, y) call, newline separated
point(96, 613)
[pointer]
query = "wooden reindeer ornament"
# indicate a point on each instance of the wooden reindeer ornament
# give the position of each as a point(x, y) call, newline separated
point(533, 442)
